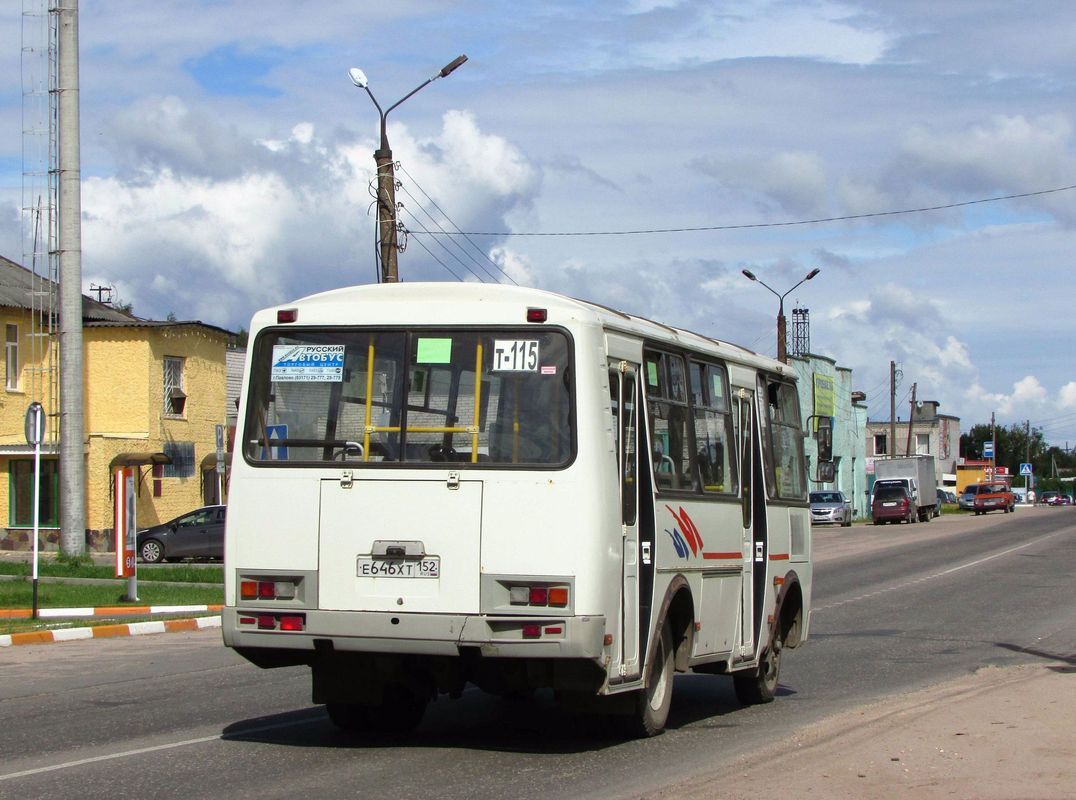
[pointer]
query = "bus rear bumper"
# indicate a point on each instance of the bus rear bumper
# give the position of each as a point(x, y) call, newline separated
point(417, 634)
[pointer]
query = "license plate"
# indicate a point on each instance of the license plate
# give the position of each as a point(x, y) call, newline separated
point(429, 567)
point(887, 505)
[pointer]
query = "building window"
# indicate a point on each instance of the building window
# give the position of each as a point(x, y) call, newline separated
point(182, 455)
point(11, 350)
point(879, 444)
point(922, 444)
point(21, 494)
point(175, 399)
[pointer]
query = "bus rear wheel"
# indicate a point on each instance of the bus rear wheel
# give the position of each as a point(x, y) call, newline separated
point(760, 685)
point(399, 712)
point(651, 705)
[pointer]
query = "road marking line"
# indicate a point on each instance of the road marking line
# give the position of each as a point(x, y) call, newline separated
point(932, 576)
point(154, 749)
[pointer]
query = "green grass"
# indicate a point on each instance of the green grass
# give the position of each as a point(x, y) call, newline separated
point(19, 594)
point(178, 573)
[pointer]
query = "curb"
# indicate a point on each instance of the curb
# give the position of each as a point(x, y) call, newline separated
point(110, 631)
point(104, 611)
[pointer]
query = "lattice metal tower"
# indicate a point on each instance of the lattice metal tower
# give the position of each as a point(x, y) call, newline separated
point(40, 199)
point(800, 344)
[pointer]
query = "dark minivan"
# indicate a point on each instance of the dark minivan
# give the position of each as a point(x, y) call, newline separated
point(893, 504)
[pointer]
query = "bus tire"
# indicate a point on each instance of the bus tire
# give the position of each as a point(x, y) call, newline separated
point(653, 702)
point(760, 685)
point(399, 713)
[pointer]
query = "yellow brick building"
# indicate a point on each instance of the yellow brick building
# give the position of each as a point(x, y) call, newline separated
point(152, 390)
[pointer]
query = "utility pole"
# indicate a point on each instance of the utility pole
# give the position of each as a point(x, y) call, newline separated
point(911, 416)
point(993, 448)
point(72, 447)
point(892, 408)
point(386, 177)
point(1027, 439)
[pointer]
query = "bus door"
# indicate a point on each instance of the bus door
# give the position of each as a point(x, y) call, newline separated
point(753, 511)
point(624, 388)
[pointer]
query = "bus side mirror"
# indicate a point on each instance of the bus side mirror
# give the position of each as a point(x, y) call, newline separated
point(824, 437)
point(827, 471)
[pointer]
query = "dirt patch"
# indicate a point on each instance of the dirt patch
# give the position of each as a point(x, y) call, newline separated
point(1000, 733)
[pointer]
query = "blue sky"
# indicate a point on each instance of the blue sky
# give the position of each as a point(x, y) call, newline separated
point(223, 146)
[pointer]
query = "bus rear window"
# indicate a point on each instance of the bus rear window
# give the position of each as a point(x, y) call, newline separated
point(419, 397)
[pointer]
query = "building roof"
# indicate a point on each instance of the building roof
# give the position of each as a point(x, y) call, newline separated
point(17, 285)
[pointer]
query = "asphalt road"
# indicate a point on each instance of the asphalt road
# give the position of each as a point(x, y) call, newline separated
point(177, 715)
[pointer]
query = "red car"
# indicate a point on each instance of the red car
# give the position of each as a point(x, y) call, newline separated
point(893, 504)
point(994, 497)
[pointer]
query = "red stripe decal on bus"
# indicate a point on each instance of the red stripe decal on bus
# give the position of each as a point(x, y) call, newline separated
point(778, 556)
point(722, 555)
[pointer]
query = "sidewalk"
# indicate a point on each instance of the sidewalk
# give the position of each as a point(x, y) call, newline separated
point(999, 733)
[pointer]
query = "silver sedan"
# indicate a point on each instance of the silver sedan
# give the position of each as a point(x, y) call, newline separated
point(830, 508)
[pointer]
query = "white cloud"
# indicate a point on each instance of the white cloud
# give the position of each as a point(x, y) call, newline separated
point(1067, 395)
point(216, 245)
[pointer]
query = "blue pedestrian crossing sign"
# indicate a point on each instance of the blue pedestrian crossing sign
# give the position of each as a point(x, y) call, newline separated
point(1025, 469)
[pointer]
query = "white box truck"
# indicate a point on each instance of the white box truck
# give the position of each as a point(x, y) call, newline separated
point(917, 475)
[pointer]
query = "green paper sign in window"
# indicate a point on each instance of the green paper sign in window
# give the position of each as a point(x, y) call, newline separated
point(434, 351)
point(652, 373)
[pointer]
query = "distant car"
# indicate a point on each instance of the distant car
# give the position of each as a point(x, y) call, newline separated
point(198, 534)
point(893, 504)
point(1054, 499)
point(994, 497)
point(830, 508)
point(967, 497)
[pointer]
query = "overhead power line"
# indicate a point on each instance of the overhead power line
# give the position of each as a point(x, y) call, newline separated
point(750, 225)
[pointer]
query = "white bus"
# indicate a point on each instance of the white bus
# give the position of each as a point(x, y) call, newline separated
point(443, 484)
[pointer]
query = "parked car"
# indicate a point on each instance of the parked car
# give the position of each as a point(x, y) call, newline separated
point(830, 508)
point(994, 497)
point(1055, 499)
point(893, 504)
point(197, 534)
point(967, 497)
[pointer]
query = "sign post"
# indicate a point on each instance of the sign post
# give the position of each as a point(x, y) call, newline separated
point(220, 464)
point(35, 432)
point(1028, 473)
point(125, 525)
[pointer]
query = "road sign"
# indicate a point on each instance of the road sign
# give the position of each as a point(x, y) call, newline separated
point(1025, 469)
point(988, 449)
point(35, 424)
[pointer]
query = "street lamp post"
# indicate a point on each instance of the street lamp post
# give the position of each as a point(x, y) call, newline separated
point(782, 340)
point(386, 179)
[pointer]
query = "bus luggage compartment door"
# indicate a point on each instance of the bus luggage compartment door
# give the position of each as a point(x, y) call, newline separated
point(432, 565)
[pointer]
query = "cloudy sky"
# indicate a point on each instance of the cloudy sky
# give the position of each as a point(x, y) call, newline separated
point(227, 162)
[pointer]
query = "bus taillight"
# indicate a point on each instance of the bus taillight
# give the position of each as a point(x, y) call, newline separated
point(291, 622)
point(540, 595)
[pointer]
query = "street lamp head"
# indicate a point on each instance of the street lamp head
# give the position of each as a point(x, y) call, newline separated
point(749, 274)
point(358, 77)
point(812, 273)
point(448, 68)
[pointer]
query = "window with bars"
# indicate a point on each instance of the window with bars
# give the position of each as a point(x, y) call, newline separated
point(182, 455)
point(175, 399)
